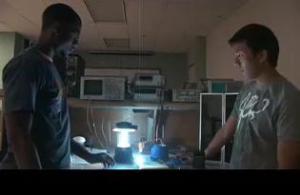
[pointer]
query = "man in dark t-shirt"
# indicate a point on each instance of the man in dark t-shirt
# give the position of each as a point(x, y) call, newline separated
point(32, 84)
point(35, 108)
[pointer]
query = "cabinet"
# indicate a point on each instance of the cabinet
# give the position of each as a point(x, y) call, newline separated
point(215, 108)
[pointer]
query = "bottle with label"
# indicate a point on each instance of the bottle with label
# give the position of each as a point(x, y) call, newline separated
point(141, 144)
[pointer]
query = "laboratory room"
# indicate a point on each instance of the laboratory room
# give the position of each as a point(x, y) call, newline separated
point(149, 84)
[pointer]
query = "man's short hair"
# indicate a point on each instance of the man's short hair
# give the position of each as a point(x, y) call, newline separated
point(258, 38)
point(60, 13)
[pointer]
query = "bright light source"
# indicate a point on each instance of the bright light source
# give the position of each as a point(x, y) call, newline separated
point(123, 140)
point(123, 151)
point(123, 136)
point(124, 129)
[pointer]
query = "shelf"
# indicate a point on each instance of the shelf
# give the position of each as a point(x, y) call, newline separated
point(78, 103)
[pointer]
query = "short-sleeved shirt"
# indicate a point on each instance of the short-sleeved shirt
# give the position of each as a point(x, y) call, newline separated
point(32, 83)
point(266, 115)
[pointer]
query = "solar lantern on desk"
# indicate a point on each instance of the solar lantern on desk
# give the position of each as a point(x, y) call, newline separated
point(123, 151)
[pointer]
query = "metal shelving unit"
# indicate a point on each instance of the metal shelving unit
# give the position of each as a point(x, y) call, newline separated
point(215, 108)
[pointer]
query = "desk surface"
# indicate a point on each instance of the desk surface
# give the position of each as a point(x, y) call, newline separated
point(141, 162)
point(78, 103)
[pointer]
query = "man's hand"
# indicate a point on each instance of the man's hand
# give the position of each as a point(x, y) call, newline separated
point(81, 151)
point(101, 158)
point(288, 155)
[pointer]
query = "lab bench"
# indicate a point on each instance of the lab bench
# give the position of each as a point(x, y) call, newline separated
point(141, 162)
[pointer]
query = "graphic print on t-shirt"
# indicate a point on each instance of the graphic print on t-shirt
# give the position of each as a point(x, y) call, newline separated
point(249, 107)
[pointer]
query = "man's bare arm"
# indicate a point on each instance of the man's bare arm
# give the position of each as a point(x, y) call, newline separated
point(288, 154)
point(18, 125)
point(222, 137)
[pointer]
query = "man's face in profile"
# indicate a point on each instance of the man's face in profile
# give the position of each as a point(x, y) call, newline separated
point(68, 39)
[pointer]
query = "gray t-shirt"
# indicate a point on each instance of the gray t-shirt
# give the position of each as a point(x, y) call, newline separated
point(266, 115)
point(32, 83)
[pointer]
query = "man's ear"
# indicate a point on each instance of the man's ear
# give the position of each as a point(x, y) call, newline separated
point(263, 56)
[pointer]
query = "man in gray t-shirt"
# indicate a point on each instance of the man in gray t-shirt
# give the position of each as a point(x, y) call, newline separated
point(266, 115)
point(265, 121)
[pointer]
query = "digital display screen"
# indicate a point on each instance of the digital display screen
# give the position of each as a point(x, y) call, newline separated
point(93, 87)
point(145, 90)
point(146, 78)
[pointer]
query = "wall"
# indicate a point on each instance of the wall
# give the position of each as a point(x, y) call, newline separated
point(197, 59)
point(7, 47)
point(281, 16)
point(173, 66)
point(11, 44)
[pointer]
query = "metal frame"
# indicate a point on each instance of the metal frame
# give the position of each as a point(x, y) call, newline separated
point(223, 95)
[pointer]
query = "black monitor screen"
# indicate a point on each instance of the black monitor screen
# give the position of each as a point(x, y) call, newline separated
point(93, 87)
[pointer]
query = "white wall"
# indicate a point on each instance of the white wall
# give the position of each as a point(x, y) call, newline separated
point(197, 59)
point(7, 46)
point(283, 17)
point(11, 44)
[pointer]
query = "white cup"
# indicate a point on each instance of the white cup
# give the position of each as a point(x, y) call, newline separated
point(79, 139)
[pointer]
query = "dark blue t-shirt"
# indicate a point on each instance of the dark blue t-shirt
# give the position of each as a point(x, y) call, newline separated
point(32, 83)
